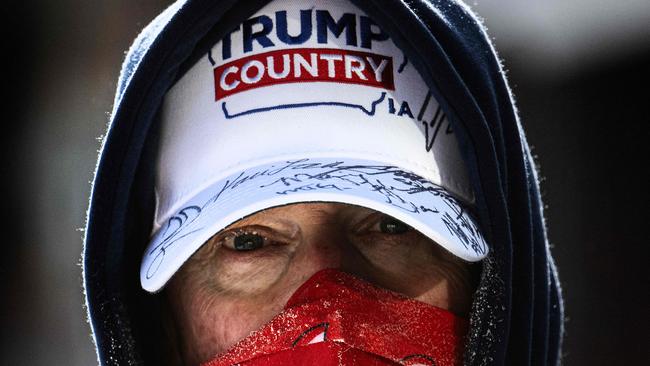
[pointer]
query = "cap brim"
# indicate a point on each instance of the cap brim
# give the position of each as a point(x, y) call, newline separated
point(405, 196)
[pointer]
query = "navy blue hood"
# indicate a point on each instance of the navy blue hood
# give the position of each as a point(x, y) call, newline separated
point(516, 318)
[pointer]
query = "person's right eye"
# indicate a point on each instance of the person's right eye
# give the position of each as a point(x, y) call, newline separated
point(244, 240)
point(251, 238)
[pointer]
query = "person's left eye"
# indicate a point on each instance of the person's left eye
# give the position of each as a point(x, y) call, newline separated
point(393, 226)
point(381, 224)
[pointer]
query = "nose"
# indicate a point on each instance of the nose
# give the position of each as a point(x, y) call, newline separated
point(327, 245)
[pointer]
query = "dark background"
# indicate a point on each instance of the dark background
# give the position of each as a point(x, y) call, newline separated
point(579, 71)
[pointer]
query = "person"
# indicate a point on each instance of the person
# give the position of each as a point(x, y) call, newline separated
point(308, 182)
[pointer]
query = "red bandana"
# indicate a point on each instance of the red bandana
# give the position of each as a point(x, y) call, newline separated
point(337, 319)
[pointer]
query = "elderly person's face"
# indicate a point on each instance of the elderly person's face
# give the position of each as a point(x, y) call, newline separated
point(245, 274)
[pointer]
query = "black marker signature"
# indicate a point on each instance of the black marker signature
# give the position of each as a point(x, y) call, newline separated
point(173, 232)
point(340, 176)
point(395, 186)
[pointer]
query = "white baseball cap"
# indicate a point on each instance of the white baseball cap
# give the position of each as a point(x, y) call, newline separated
point(306, 101)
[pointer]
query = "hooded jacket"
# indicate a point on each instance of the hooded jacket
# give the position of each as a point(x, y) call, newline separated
point(516, 316)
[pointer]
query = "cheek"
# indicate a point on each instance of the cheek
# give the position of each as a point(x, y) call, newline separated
point(452, 289)
point(211, 322)
point(247, 273)
point(248, 278)
point(420, 269)
point(219, 296)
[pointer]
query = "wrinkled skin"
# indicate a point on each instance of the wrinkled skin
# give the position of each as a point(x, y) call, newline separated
point(222, 294)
